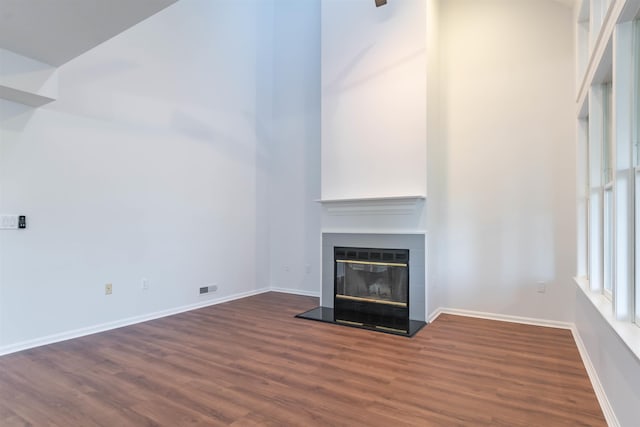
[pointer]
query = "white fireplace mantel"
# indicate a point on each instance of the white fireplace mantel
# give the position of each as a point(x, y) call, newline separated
point(385, 205)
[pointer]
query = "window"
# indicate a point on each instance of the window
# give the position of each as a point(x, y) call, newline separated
point(598, 178)
point(594, 195)
point(607, 135)
point(608, 199)
point(608, 151)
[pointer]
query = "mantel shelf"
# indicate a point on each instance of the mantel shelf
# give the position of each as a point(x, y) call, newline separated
point(384, 205)
point(381, 199)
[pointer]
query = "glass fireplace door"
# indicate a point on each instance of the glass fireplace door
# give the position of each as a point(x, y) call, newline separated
point(375, 282)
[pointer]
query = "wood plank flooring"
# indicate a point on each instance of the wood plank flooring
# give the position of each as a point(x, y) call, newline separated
point(251, 363)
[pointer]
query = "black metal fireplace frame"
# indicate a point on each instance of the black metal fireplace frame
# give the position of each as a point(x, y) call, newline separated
point(386, 317)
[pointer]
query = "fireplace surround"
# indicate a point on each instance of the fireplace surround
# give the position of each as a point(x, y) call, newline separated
point(405, 321)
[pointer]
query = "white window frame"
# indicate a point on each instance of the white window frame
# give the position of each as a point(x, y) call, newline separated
point(635, 162)
point(587, 193)
point(637, 245)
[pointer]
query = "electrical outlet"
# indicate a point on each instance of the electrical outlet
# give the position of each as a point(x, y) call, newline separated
point(108, 289)
point(542, 287)
point(145, 284)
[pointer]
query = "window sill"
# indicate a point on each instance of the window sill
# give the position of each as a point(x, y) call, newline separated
point(628, 332)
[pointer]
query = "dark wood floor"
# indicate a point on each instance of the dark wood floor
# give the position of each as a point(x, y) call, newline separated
point(251, 363)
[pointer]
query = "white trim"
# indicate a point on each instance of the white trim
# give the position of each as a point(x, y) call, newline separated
point(628, 332)
point(77, 333)
point(605, 405)
point(501, 318)
point(371, 231)
point(433, 316)
point(597, 53)
point(401, 205)
point(373, 199)
point(315, 294)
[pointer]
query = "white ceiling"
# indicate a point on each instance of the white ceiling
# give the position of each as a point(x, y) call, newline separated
point(569, 3)
point(56, 31)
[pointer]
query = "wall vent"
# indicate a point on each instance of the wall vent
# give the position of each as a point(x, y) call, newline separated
point(208, 289)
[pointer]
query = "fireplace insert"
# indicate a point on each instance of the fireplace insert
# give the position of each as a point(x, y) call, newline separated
point(372, 288)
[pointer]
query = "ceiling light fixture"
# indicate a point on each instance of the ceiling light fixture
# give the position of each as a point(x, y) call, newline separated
point(380, 3)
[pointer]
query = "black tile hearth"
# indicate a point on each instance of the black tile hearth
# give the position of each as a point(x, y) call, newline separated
point(327, 315)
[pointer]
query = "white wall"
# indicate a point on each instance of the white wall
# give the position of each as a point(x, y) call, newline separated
point(199, 165)
point(504, 164)
point(373, 98)
point(145, 167)
point(294, 149)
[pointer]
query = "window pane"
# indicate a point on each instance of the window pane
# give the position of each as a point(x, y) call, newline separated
point(588, 240)
point(607, 128)
point(587, 192)
point(608, 241)
point(595, 240)
point(636, 163)
point(636, 123)
point(637, 288)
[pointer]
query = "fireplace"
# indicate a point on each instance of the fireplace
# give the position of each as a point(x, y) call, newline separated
point(371, 287)
point(372, 281)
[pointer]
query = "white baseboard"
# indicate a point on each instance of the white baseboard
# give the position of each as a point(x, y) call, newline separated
point(607, 409)
point(433, 316)
point(315, 294)
point(50, 339)
point(500, 317)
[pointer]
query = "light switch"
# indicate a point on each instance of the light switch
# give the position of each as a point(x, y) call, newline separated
point(8, 222)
